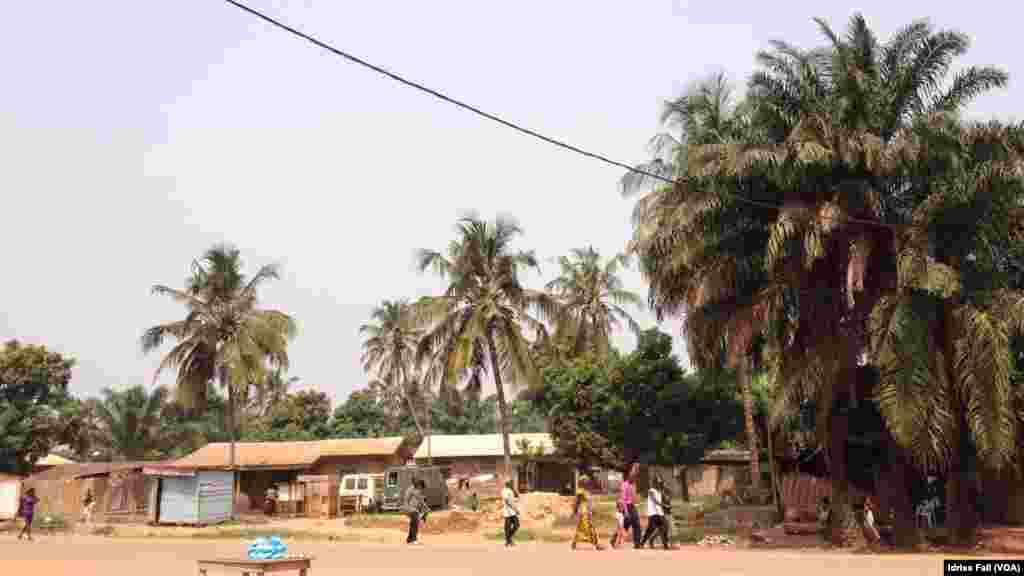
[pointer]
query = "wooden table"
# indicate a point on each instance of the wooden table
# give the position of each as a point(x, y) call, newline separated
point(257, 567)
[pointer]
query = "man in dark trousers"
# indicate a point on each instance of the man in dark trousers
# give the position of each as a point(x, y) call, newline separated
point(413, 501)
point(657, 523)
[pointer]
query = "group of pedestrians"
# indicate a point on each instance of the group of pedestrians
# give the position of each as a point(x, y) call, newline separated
point(659, 512)
point(627, 517)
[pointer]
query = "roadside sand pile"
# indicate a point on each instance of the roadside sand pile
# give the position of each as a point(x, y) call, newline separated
point(485, 488)
point(535, 508)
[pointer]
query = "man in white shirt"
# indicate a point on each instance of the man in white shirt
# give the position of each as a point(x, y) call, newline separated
point(511, 512)
point(656, 525)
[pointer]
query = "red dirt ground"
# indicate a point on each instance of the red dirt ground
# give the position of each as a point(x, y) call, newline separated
point(86, 556)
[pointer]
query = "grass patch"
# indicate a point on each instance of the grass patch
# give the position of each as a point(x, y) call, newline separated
point(385, 520)
point(684, 534)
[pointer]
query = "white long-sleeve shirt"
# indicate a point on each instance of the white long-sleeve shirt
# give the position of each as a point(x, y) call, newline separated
point(509, 500)
point(654, 507)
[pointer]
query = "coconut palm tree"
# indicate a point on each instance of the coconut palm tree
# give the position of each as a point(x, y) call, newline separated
point(482, 319)
point(829, 135)
point(389, 351)
point(130, 421)
point(592, 298)
point(225, 337)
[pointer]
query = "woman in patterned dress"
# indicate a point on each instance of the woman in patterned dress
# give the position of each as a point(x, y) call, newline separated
point(584, 513)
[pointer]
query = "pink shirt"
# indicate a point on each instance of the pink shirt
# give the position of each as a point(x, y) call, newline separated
point(628, 494)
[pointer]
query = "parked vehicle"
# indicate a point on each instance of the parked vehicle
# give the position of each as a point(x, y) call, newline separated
point(369, 486)
point(399, 478)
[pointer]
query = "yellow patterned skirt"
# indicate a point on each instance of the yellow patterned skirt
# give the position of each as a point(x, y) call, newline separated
point(585, 531)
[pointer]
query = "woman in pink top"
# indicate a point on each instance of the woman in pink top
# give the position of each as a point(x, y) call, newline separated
point(627, 499)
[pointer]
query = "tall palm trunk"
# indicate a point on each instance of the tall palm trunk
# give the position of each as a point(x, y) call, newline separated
point(906, 534)
point(492, 350)
point(230, 417)
point(839, 431)
point(748, 417)
point(776, 496)
point(231, 438)
point(961, 520)
point(412, 408)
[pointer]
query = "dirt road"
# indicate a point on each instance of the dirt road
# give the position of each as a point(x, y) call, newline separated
point(87, 556)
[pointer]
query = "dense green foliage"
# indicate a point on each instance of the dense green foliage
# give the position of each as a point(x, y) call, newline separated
point(36, 411)
point(130, 422)
point(639, 407)
point(303, 415)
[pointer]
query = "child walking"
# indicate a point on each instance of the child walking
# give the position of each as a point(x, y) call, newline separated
point(620, 524)
point(27, 510)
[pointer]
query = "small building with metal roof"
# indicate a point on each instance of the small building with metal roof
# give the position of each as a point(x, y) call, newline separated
point(534, 463)
point(262, 465)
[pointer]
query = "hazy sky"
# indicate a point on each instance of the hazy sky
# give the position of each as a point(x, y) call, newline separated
point(136, 133)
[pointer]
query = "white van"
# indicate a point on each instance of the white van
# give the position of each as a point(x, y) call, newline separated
point(369, 486)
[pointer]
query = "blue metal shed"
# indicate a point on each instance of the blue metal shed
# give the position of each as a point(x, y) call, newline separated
point(190, 496)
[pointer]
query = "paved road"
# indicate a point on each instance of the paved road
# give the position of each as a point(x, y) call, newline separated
point(86, 556)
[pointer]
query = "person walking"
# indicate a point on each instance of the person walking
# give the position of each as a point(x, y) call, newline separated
point(88, 505)
point(413, 500)
point(870, 529)
point(666, 505)
point(627, 497)
point(270, 501)
point(620, 525)
point(655, 516)
point(509, 497)
point(584, 513)
point(27, 510)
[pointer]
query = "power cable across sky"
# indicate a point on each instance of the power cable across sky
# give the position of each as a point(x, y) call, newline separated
point(507, 123)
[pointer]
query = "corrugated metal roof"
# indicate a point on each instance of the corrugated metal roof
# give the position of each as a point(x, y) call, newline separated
point(287, 454)
point(475, 445)
point(80, 469)
point(361, 446)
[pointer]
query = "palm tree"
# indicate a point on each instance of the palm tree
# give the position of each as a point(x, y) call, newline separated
point(479, 324)
point(224, 337)
point(389, 351)
point(830, 136)
point(130, 421)
point(592, 298)
point(705, 115)
point(943, 345)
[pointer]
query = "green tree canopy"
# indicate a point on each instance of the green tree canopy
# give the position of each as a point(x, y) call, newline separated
point(640, 407)
point(130, 422)
point(361, 416)
point(303, 415)
point(34, 403)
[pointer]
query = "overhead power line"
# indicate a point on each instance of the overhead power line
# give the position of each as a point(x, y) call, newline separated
point(512, 125)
